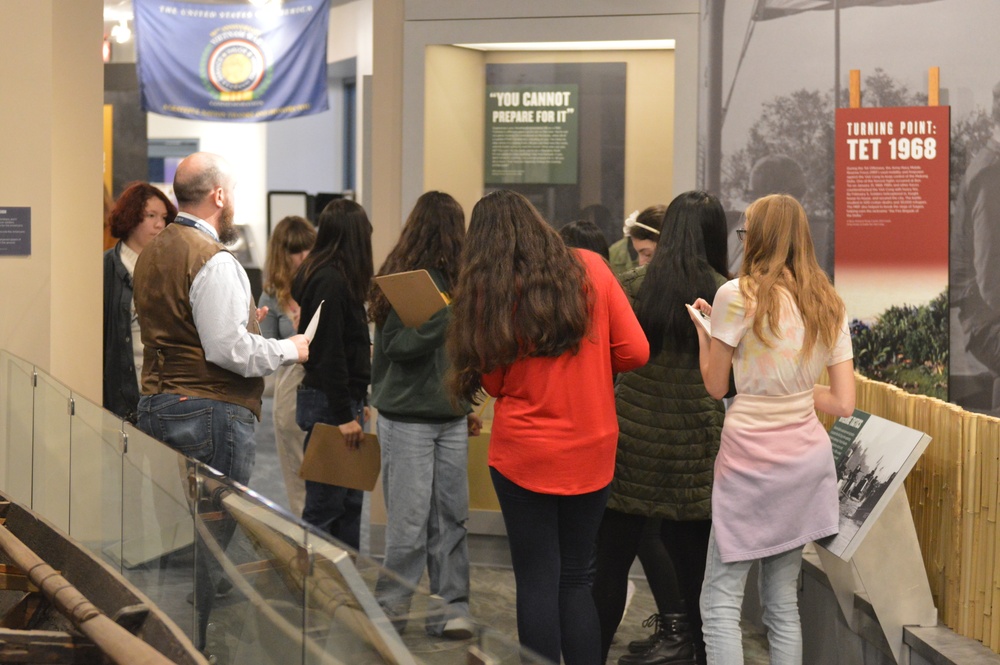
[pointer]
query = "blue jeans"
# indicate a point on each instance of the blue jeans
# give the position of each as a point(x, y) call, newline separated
point(551, 539)
point(426, 487)
point(722, 601)
point(330, 508)
point(215, 433)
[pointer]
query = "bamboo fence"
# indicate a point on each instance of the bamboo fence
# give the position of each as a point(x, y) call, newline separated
point(953, 497)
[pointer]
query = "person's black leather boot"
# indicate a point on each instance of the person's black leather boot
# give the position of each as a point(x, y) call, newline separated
point(674, 644)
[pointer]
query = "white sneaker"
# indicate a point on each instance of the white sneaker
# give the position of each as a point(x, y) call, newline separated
point(458, 628)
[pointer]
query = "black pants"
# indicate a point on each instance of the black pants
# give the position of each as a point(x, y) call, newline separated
point(330, 508)
point(687, 545)
point(551, 541)
point(674, 570)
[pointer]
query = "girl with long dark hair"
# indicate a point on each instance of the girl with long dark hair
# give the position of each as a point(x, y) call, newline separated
point(544, 329)
point(337, 273)
point(423, 434)
point(669, 435)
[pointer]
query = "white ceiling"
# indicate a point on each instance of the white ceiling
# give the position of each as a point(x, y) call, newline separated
point(115, 10)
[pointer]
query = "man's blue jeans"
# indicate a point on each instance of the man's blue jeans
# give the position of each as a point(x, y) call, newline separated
point(215, 433)
point(426, 488)
point(330, 508)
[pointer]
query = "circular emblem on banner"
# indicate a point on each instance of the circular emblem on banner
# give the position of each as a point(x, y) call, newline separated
point(236, 65)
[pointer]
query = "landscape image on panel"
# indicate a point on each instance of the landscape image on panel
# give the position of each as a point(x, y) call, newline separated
point(873, 456)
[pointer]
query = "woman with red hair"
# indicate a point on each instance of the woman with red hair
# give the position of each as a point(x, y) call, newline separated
point(140, 213)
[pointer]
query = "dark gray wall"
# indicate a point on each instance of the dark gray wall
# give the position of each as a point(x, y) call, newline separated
point(129, 161)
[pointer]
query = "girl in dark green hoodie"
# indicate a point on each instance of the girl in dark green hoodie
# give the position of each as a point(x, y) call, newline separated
point(423, 434)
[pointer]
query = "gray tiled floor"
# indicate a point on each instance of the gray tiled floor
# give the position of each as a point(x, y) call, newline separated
point(492, 593)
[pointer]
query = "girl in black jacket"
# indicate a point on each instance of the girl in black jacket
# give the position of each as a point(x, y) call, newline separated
point(337, 274)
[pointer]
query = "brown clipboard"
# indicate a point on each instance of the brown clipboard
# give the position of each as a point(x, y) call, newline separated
point(328, 459)
point(413, 295)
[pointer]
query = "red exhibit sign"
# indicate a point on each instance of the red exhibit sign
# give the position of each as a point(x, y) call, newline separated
point(891, 239)
point(892, 186)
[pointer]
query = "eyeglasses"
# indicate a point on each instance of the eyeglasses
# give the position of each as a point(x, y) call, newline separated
point(741, 234)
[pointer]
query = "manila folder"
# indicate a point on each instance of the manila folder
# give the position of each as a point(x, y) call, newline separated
point(413, 295)
point(328, 459)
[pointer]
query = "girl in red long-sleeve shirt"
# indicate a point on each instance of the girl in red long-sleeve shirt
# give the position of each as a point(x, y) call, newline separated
point(543, 329)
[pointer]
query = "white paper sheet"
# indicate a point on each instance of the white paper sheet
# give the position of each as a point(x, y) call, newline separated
point(313, 322)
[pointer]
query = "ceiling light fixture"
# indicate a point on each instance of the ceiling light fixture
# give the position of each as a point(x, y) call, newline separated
point(121, 32)
point(620, 45)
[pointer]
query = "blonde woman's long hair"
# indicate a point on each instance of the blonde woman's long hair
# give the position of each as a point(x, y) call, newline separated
point(292, 235)
point(779, 256)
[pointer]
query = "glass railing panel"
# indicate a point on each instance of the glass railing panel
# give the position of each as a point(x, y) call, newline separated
point(157, 548)
point(16, 422)
point(344, 622)
point(499, 648)
point(493, 640)
point(252, 563)
point(289, 595)
point(51, 461)
point(95, 485)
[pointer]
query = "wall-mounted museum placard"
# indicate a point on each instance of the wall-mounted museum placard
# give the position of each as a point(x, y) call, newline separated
point(892, 210)
point(15, 231)
point(532, 134)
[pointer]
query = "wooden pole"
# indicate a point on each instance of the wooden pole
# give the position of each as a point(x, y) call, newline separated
point(119, 645)
point(712, 173)
point(934, 86)
point(855, 87)
point(836, 54)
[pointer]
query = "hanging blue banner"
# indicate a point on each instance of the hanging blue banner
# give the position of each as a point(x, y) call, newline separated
point(232, 63)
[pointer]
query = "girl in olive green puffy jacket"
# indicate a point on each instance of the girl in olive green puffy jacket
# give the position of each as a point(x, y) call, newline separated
point(669, 436)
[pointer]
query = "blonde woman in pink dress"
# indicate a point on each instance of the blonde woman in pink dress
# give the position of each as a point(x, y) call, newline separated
point(778, 326)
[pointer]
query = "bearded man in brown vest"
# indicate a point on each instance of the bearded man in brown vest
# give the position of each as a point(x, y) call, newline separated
point(204, 357)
